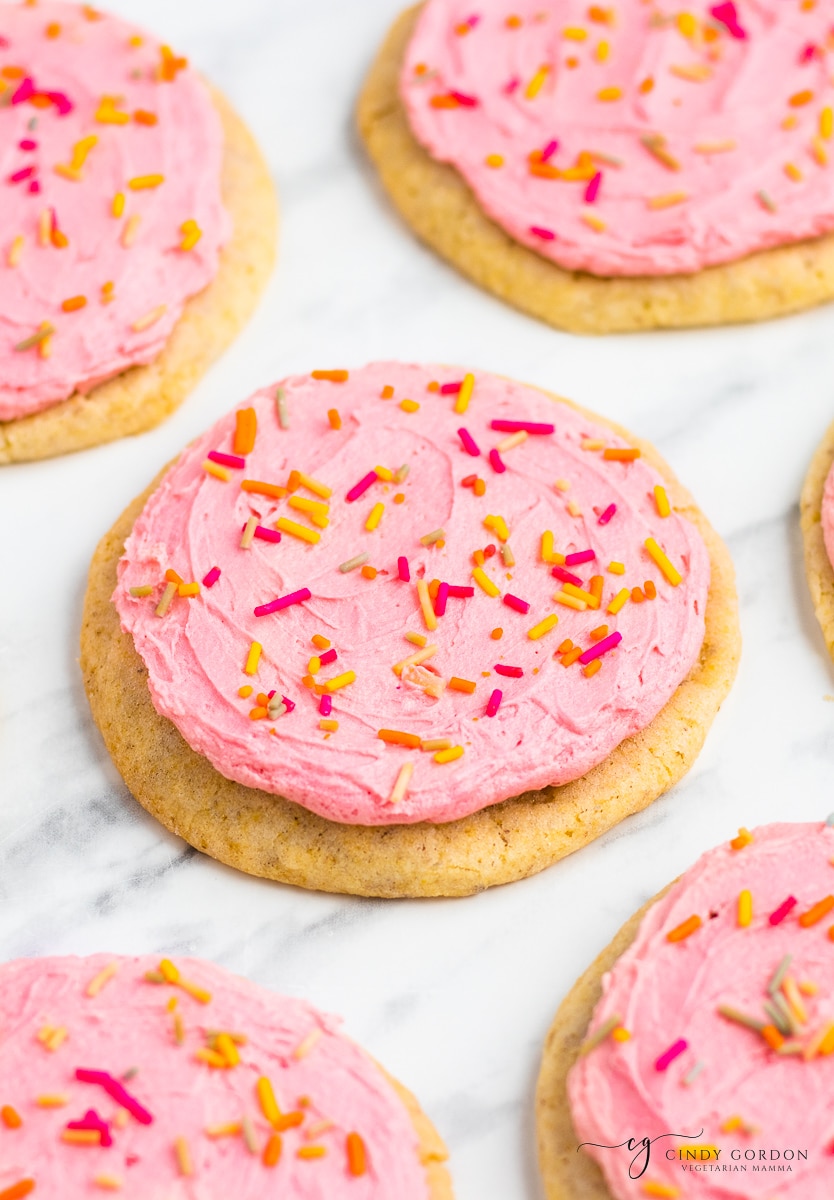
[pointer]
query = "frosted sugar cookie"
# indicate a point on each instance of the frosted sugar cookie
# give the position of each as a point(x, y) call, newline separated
point(614, 167)
point(817, 521)
point(138, 228)
point(704, 1032)
point(159, 1079)
point(409, 630)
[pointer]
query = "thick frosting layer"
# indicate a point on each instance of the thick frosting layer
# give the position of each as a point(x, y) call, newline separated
point(110, 204)
point(760, 1099)
point(630, 139)
point(194, 1125)
point(554, 722)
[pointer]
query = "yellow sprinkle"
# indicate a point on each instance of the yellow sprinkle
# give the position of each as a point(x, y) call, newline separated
point(494, 160)
point(141, 182)
point(672, 573)
point(696, 73)
point(665, 1190)
point(433, 744)
point(620, 1034)
point(609, 93)
point(574, 509)
point(314, 486)
point(602, 52)
point(483, 581)
point(687, 24)
point(570, 601)
point(592, 444)
point(52, 1100)
point(213, 468)
point(562, 485)
point(16, 251)
point(498, 526)
point(183, 1156)
point(819, 152)
point(304, 1048)
point(826, 123)
point(375, 516)
point(594, 222)
point(793, 172)
point(385, 474)
point(150, 318)
point(416, 639)
point(81, 1137)
point(714, 147)
point(253, 658)
point(217, 1131)
point(298, 531)
point(198, 993)
point(104, 976)
point(465, 393)
point(618, 601)
point(169, 972)
point(616, 568)
point(226, 1047)
point(45, 227)
point(661, 501)
point(131, 230)
point(745, 908)
point(543, 627)
point(110, 1183)
point(667, 200)
point(144, 590)
point(333, 685)
point(314, 665)
point(311, 1152)
point(401, 786)
point(574, 33)
point(317, 512)
point(415, 660)
point(328, 726)
point(191, 234)
point(266, 1098)
point(426, 605)
point(580, 594)
point(537, 82)
point(444, 756)
point(409, 406)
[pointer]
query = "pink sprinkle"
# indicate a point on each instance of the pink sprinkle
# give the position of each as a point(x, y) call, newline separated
point(270, 694)
point(782, 911)
point(267, 535)
point(464, 100)
point(25, 91)
point(549, 150)
point(566, 577)
point(511, 85)
point(496, 462)
point(28, 144)
point(579, 556)
point(227, 460)
point(440, 600)
point(211, 578)
point(61, 102)
point(607, 643)
point(463, 593)
point(34, 186)
point(605, 517)
point(115, 1090)
point(669, 1056)
point(327, 656)
point(494, 703)
point(402, 569)
point(727, 16)
point(472, 21)
point(23, 173)
point(91, 1120)
point(263, 610)
point(513, 602)
point(519, 426)
point(451, 389)
point(809, 52)
point(469, 443)
point(326, 705)
point(592, 190)
point(547, 235)
point(289, 704)
point(362, 486)
point(513, 672)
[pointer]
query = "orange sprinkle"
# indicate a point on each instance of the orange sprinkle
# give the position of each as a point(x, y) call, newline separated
point(637, 596)
point(572, 655)
point(10, 1117)
point(745, 837)
point(272, 1151)
point(258, 714)
point(595, 587)
point(399, 498)
point(599, 633)
point(79, 1137)
point(615, 454)
point(394, 737)
point(263, 489)
point(798, 99)
point(369, 572)
point(59, 240)
point(246, 427)
point(816, 913)
point(497, 634)
point(74, 303)
point(772, 1036)
point(143, 117)
point(565, 646)
point(649, 590)
point(592, 668)
point(334, 418)
point(331, 376)
point(328, 726)
point(355, 1154)
point(682, 931)
point(290, 1120)
point(667, 200)
point(793, 172)
point(456, 684)
point(387, 392)
point(479, 487)
point(311, 1152)
point(245, 691)
point(434, 386)
point(320, 643)
point(53, 29)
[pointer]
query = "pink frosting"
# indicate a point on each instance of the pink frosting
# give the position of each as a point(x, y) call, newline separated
point(151, 277)
point(721, 75)
point(553, 723)
point(666, 991)
point(128, 1025)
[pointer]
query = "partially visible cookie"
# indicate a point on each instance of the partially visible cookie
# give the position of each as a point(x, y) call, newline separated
point(394, 852)
point(120, 271)
point(816, 498)
point(161, 1072)
point(440, 207)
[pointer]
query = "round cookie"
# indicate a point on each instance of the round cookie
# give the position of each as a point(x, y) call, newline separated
point(140, 397)
point(269, 836)
point(818, 569)
point(567, 1171)
point(439, 206)
point(160, 1071)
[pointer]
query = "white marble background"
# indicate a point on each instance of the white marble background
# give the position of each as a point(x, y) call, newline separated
point(453, 996)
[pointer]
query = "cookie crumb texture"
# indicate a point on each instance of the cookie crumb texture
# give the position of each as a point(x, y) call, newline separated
point(438, 204)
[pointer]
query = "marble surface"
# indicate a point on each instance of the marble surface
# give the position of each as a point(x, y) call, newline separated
point(453, 996)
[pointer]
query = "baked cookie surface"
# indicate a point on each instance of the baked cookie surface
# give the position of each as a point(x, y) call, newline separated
point(818, 569)
point(438, 204)
point(70, 384)
point(268, 835)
